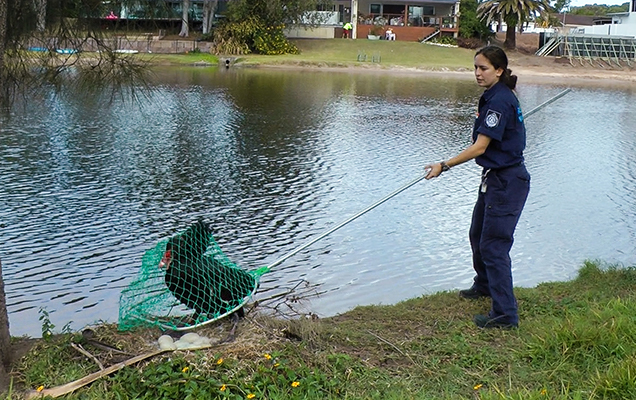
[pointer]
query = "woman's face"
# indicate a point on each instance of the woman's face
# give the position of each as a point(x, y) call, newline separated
point(487, 76)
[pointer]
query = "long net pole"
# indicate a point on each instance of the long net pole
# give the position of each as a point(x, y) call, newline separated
point(387, 197)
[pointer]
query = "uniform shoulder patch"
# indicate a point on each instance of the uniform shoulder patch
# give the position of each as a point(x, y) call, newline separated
point(492, 118)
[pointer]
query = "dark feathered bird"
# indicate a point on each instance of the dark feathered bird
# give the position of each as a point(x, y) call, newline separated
point(198, 280)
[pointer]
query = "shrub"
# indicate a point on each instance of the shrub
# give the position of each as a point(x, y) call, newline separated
point(469, 43)
point(271, 41)
point(251, 35)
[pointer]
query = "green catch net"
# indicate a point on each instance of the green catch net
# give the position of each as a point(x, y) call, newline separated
point(186, 281)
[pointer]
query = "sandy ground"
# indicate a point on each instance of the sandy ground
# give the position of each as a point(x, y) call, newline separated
point(528, 68)
point(531, 68)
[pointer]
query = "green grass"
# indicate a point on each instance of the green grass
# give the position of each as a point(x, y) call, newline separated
point(178, 59)
point(577, 340)
point(344, 52)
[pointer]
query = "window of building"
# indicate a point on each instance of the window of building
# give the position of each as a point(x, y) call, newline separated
point(420, 16)
point(393, 9)
point(377, 8)
point(326, 7)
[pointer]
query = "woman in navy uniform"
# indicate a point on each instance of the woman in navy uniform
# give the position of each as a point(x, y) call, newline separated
point(499, 138)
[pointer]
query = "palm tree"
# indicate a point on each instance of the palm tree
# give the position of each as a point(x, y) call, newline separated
point(513, 12)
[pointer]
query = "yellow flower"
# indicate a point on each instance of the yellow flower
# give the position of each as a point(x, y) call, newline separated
point(40, 388)
point(267, 356)
point(477, 387)
point(295, 384)
point(223, 387)
point(544, 392)
point(251, 396)
point(185, 369)
point(277, 365)
point(219, 361)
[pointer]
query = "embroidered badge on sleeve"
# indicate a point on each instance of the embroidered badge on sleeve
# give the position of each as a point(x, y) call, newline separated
point(492, 118)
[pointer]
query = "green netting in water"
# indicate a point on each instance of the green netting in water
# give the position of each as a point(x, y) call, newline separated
point(185, 281)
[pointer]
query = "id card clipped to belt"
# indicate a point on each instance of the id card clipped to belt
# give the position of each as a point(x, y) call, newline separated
point(484, 185)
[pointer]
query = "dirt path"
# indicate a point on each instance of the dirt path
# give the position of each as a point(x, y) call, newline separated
point(559, 70)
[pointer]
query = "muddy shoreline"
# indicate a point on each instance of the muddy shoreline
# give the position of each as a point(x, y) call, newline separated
point(572, 76)
point(529, 69)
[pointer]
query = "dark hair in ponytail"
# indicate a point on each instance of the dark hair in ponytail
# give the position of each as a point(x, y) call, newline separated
point(498, 59)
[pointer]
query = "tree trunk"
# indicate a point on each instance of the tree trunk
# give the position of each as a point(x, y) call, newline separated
point(511, 37)
point(5, 336)
point(3, 32)
point(209, 7)
point(184, 19)
point(40, 9)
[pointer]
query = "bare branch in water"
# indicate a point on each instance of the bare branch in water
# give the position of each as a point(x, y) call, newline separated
point(289, 303)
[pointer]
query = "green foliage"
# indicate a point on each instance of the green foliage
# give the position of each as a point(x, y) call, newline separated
point(73, 24)
point(47, 325)
point(375, 30)
point(470, 26)
point(272, 376)
point(174, 379)
point(21, 20)
point(258, 25)
point(560, 5)
point(272, 41)
point(445, 40)
point(42, 366)
point(278, 12)
point(599, 9)
point(233, 37)
point(513, 12)
point(251, 35)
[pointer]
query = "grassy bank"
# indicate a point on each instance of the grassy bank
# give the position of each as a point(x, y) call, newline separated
point(577, 340)
point(179, 59)
point(342, 53)
point(377, 53)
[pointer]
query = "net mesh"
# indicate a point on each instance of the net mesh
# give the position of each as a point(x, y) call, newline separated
point(185, 281)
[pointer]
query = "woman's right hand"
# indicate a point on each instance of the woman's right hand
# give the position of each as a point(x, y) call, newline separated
point(434, 170)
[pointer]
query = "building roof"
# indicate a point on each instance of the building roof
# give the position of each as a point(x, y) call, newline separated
point(573, 19)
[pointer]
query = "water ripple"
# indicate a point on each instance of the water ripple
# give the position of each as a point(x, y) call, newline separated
point(274, 159)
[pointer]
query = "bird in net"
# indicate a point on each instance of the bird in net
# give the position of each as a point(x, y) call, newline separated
point(186, 281)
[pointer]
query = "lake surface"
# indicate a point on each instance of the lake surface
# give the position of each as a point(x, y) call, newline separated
point(275, 158)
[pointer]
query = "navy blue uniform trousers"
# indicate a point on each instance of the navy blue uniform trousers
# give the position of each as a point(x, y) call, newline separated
point(495, 218)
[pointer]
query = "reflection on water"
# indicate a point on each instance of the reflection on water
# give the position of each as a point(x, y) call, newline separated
point(275, 158)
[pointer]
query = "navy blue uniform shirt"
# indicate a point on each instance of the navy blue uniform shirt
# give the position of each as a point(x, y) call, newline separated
point(500, 118)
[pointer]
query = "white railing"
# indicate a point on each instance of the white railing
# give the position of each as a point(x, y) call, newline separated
point(327, 17)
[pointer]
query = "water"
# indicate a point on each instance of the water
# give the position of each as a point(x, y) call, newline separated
point(275, 158)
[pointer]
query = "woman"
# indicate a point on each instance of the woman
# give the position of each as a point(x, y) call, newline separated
point(499, 138)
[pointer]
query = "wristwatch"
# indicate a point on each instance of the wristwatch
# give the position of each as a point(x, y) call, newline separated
point(445, 166)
